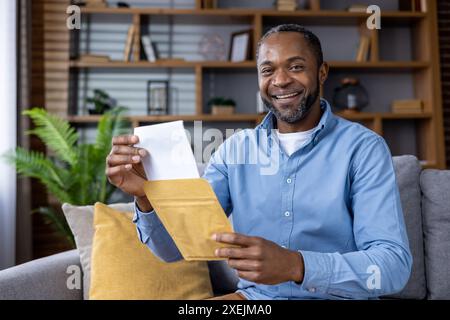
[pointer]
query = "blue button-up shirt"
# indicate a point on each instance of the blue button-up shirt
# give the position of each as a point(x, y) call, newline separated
point(335, 200)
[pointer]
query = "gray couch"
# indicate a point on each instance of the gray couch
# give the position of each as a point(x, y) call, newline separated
point(425, 196)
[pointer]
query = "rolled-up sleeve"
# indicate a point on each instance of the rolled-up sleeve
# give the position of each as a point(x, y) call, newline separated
point(382, 264)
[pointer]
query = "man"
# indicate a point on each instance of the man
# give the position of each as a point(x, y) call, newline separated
point(327, 223)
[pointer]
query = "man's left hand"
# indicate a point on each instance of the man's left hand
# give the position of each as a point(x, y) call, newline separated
point(260, 260)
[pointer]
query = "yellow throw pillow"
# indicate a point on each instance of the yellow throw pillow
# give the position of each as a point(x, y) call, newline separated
point(124, 268)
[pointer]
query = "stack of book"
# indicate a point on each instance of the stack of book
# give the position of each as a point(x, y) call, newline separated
point(96, 3)
point(287, 5)
point(407, 106)
point(148, 48)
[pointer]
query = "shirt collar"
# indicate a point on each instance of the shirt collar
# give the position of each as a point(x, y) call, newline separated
point(326, 121)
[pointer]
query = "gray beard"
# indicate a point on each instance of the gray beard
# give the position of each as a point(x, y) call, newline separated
point(298, 113)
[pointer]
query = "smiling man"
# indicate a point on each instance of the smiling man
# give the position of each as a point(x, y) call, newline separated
point(327, 224)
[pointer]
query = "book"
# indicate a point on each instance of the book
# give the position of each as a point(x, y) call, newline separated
point(407, 106)
point(96, 3)
point(94, 58)
point(129, 43)
point(149, 48)
point(286, 8)
point(314, 4)
point(406, 110)
point(357, 8)
point(209, 4)
point(363, 49)
point(288, 5)
point(413, 5)
point(423, 5)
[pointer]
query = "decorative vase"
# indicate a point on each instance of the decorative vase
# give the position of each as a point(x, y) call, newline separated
point(351, 96)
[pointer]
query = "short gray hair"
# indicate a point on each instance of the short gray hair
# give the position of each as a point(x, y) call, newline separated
point(312, 40)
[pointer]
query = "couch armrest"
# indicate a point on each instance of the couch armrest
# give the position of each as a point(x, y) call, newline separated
point(42, 279)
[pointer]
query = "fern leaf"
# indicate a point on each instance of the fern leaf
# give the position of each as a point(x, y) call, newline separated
point(55, 132)
point(34, 164)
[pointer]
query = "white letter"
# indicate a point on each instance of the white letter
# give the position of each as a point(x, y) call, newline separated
point(374, 21)
point(374, 280)
point(217, 137)
point(74, 280)
point(73, 21)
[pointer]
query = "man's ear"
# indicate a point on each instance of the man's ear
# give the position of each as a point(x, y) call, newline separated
point(323, 73)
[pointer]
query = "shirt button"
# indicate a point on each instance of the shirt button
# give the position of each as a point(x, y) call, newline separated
point(287, 213)
point(312, 290)
point(289, 180)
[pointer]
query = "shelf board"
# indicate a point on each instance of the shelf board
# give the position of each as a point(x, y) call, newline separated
point(168, 11)
point(335, 17)
point(341, 14)
point(403, 116)
point(247, 117)
point(162, 64)
point(382, 115)
point(379, 65)
point(162, 118)
point(251, 12)
point(167, 63)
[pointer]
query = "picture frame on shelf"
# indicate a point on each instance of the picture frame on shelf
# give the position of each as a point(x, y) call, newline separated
point(158, 97)
point(240, 46)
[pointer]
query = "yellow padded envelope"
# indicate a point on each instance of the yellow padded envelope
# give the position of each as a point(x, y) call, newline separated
point(191, 213)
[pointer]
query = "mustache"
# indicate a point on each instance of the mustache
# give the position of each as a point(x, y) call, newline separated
point(301, 110)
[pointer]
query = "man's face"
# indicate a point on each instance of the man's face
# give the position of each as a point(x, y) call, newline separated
point(288, 76)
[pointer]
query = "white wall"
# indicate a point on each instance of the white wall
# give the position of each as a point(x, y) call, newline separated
point(7, 131)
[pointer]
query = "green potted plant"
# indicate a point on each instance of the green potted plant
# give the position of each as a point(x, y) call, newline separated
point(99, 103)
point(220, 105)
point(72, 172)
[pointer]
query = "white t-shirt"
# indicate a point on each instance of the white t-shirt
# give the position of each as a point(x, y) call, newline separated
point(291, 142)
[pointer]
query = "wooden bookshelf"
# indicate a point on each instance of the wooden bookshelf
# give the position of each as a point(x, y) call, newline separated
point(424, 68)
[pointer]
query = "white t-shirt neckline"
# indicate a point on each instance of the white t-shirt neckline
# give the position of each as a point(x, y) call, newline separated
point(293, 141)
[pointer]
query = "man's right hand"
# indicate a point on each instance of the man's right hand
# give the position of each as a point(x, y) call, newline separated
point(124, 168)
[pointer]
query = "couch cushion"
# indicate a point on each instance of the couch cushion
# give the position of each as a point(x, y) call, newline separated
point(81, 223)
point(435, 186)
point(407, 171)
point(124, 268)
point(43, 279)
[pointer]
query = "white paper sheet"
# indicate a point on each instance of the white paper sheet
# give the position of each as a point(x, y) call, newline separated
point(170, 152)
